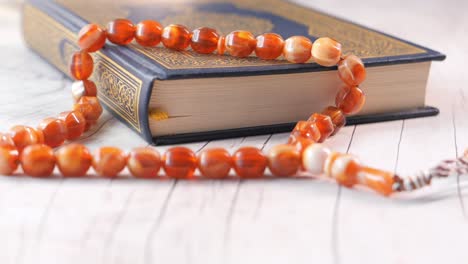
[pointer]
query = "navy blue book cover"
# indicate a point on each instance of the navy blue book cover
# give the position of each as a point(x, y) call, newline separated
point(125, 75)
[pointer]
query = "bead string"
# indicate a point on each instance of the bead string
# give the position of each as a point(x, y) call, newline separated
point(33, 148)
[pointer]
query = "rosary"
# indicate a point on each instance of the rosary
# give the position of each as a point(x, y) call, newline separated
point(32, 148)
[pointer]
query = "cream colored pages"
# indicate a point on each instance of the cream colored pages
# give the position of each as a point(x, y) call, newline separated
point(208, 104)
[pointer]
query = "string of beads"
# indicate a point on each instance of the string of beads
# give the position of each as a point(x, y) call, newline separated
point(33, 148)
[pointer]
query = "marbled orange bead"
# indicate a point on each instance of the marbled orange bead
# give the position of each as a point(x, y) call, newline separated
point(38, 160)
point(6, 141)
point(299, 142)
point(378, 180)
point(24, 136)
point(352, 70)
point(249, 162)
point(337, 116)
point(144, 163)
point(121, 31)
point(324, 124)
point(214, 163)
point(108, 162)
point(90, 108)
point(284, 160)
point(307, 129)
point(83, 88)
point(240, 43)
point(75, 123)
point(73, 160)
point(269, 46)
point(204, 40)
point(350, 100)
point(148, 33)
point(81, 65)
point(54, 131)
point(40, 136)
point(221, 45)
point(92, 38)
point(179, 163)
point(9, 159)
point(326, 52)
point(176, 37)
point(343, 168)
point(297, 49)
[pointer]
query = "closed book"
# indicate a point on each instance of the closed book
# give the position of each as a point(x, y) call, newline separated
point(174, 97)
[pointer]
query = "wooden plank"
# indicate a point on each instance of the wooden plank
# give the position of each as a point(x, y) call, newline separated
point(195, 220)
point(288, 220)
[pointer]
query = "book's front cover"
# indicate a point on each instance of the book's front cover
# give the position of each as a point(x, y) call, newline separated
point(259, 16)
point(125, 74)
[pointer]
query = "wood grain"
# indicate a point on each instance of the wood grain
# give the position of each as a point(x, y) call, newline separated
point(266, 221)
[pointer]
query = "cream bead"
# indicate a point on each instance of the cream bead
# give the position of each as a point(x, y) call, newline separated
point(314, 157)
point(329, 162)
point(326, 52)
point(340, 165)
point(343, 168)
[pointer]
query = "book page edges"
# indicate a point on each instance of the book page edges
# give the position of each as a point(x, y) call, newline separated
point(208, 104)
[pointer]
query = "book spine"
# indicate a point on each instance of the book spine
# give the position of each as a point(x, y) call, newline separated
point(122, 89)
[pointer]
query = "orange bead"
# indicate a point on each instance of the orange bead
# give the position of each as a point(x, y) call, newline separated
point(73, 160)
point(324, 124)
point(91, 38)
point(83, 88)
point(121, 31)
point(9, 159)
point(343, 168)
point(214, 163)
point(148, 33)
point(240, 43)
point(54, 130)
point(326, 52)
point(90, 108)
point(38, 160)
point(284, 160)
point(24, 136)
point(378, 180)
point(352, 70)
point(249, 162)
point(6, 141)
point(307, 129)
point(297, 49)
point(179, 163)
point(350, 100)
point(81, 66)
point(144, 163)
point(204, 40)
point(269, 46)
point(75, 123)
point(176, 37)
point(300, 143)
point(337, 116)
point(109, 161)
point(221, 45)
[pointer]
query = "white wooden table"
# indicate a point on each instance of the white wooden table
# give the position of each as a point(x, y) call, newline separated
point(266, 221)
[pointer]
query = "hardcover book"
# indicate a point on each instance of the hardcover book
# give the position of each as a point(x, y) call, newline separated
point(175, 97)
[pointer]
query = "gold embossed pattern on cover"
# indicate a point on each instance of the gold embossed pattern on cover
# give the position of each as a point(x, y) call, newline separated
point(119, 89)
point(358, 40)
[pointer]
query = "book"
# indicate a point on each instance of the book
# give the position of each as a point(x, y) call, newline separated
point(175, 97)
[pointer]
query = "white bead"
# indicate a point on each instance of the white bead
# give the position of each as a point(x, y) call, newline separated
point(339, 166)
point(314, 157)
point(328, 163)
